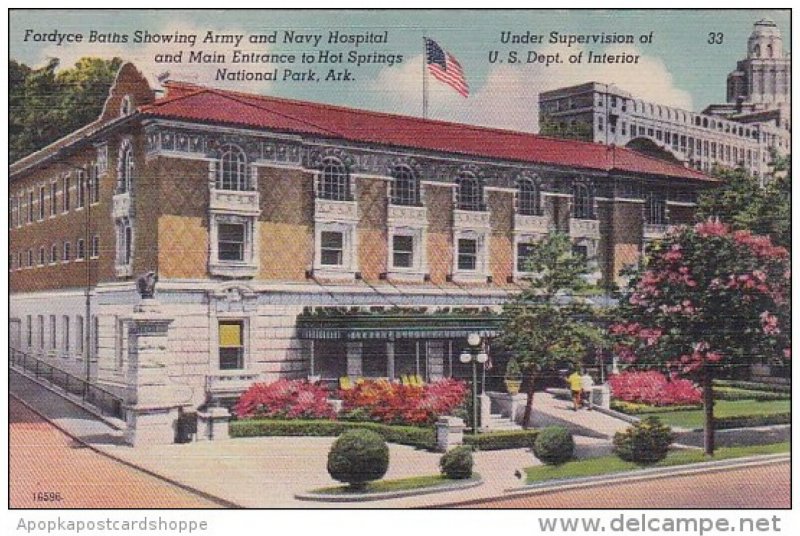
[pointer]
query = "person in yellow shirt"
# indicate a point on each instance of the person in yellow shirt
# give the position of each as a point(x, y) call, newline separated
point(576, 387)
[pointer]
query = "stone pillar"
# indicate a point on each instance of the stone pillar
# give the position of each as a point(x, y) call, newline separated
point(213, 424)
point(449, 433)
point(601, 396)
point(354, 358)
point(152, 401)
point(485, 404)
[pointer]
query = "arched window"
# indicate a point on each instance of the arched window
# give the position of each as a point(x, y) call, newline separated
point(232, 173)
point(127, 169)
point(582, 202)
point(530, 202)
point(405, 186)
point(470, 192)
point(334, 180)
point(757, 51)
point(126, 106)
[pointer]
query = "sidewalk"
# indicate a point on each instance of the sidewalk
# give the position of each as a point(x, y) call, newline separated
point(549, 410)
point(266, 472)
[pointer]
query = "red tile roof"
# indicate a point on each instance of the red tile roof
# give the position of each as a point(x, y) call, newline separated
point(198, 103)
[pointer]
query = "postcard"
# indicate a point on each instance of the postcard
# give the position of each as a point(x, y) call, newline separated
point(400, 259)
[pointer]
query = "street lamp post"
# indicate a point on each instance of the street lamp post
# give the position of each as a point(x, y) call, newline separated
point(474, 353)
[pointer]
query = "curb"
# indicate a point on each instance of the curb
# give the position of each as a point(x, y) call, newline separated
point(654, 473)
point(213, 498)
point(566, 484)
point(364, 497)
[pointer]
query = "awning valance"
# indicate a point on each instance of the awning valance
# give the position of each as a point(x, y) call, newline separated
point(386, 327)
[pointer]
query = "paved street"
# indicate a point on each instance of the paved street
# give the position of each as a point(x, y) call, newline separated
point(44, 459)
point(754, 487)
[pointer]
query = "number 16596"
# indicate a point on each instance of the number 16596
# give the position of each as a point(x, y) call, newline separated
point(47, 496)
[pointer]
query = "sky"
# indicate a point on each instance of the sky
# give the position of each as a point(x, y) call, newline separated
point(678, 68)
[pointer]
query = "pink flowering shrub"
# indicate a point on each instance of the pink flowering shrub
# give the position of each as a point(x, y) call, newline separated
point(393, 403)
point(284, 399)
point(733, 284)
point(653, 388)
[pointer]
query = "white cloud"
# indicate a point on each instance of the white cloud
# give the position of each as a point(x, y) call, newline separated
point(509, 98)
point(143, 55)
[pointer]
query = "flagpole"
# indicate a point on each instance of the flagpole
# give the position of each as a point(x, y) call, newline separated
point(424, 77)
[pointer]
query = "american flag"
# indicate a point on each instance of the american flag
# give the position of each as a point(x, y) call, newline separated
point(445, 67)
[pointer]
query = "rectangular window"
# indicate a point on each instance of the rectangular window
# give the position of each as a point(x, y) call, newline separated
point(40, 326)
point(580, 251)
point(11, 213)
point(94, 184)
point(41, 202)
point(20, 211)
point(467, 254)
point(81, 179)
point(65, 192)
point(29, 331)
point(52, 332)
point(53, 197)
point(331, 248)
point(403, 251)
point(79, 335)
point(30, 206)
point(80, 250)
point(524, 250)
point(231, 347)
point(95, 246)
point(65, 325)
point(231, 241)
point(67, 253)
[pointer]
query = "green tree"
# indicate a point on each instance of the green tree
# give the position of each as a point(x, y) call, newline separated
point(708, 298)
point(743, 204)
point(548, 322)
point(48, 103)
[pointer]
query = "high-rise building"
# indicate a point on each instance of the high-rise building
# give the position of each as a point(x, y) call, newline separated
point(742, 132)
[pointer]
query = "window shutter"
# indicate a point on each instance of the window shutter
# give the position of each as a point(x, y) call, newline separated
point(230, 335)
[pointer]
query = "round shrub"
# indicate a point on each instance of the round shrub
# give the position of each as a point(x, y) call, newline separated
point(457, 463)
point(357, 457)
point(554, 445)
point(645, 442)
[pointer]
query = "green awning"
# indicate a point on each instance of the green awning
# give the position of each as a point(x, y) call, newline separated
point(391, 327)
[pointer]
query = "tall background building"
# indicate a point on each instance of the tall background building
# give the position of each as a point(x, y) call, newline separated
point(744, 131)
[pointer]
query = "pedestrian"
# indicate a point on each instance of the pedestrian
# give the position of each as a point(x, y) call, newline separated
point(586, 385)
point(576, 388)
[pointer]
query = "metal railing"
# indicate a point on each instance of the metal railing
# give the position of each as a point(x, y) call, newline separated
point(106, 402)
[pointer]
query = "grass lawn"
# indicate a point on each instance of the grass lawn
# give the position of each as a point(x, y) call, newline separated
point(722, 408)
point(401, 484)
point(612, 464)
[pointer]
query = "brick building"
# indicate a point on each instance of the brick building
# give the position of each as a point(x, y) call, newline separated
point(295, 238)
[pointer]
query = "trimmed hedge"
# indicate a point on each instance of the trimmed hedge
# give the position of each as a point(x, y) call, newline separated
point(645, 442)
point(457, 463)
point(748, 421)
point(758, 386)
point(736, 393)
point(632, 408)
point(414, 436)
point(358, 457)
point(509, 439)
